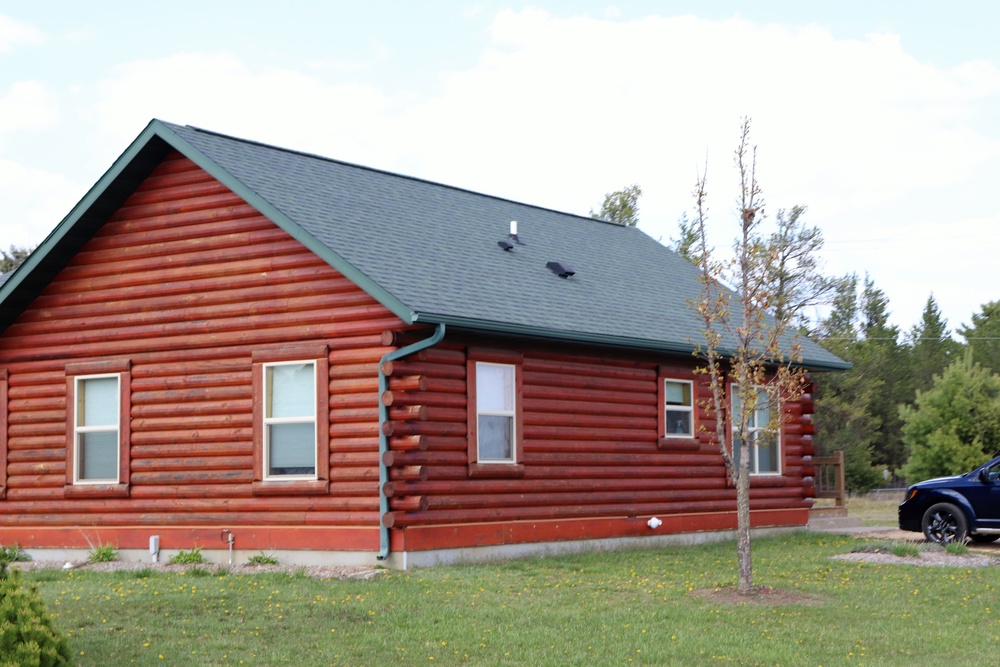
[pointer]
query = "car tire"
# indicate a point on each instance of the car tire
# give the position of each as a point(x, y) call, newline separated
point(944, 523)
point(984, 538)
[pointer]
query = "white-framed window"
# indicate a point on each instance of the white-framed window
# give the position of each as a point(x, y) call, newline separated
point(496, 412)
point(764, 444)
point(289, 420)
point(678, 408)
point(96, 433)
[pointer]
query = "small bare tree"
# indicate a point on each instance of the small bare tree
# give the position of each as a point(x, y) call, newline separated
point(750, 339)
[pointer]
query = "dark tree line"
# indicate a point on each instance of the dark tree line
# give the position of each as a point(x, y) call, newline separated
point(12, 258)
point(895, 414)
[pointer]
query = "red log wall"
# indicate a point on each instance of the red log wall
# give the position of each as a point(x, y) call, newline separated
point(187, 281)
point(592, 454)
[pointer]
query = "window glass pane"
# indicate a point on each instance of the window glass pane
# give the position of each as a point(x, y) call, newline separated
point(98, 402)
point(767, 453)
point(494, 387)
point(496, 437)
point(678, 393)
point(292, 449)
point(292, 390)
point(763, 415)
point(98, 456)
point(679, 422)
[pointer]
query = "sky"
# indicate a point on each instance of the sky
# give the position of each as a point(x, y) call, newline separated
point(879, 117)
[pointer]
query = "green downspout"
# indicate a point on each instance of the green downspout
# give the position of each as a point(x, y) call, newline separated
point(383, 439)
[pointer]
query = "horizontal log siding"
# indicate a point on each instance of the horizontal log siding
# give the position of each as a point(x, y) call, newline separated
point(590, 446)
point(187, 280)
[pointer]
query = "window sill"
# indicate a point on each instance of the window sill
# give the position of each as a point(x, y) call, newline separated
point(96, 491)
point(316, 487)
point(496, 470)
point(683, 444)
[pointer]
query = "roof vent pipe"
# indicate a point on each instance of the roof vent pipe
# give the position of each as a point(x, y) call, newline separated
point(513, 233)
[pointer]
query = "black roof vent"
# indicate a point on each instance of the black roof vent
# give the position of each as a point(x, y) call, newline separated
point(560, 269)
point(506, 245)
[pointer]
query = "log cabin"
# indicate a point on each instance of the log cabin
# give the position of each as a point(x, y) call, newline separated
point(241, 348)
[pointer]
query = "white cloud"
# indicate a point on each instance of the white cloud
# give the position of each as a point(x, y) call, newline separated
point(219, 92)
point(34, 201)
point(14, 33)
point(559, 111)
point(27, 105)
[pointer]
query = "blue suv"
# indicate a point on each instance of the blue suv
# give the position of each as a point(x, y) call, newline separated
point(954, 509)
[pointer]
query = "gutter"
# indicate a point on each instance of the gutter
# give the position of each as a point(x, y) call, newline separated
point(383, 439)
point(833, 363)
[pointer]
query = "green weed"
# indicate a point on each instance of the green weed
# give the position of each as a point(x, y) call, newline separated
point(262, 559)
point(102, 553)
point(188, 557)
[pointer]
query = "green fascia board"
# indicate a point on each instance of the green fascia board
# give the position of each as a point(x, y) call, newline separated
point(593, 338)
point(276, 216)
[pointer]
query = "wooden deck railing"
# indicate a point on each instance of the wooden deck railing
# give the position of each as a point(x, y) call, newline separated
point(830, 478)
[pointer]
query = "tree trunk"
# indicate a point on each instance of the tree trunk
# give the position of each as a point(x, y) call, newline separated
point(744, 559)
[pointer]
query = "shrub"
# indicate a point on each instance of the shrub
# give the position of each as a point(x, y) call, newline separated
point(188, 557)
point(26, 633)
point(955, 425)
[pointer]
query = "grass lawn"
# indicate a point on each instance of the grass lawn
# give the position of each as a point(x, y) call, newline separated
point(596, 609)
point(874, 509)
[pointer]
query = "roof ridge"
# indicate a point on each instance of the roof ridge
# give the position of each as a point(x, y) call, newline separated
point(394, 174)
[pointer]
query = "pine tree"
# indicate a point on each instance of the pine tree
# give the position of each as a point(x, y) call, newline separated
point(983, 336)
point(843, 420)
point(932, 348)
point(26, 633)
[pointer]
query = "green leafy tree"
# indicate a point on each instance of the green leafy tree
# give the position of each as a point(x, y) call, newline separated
point(621, 206)
point(983, 336)
point(761, 369)
point(794, 269)
point(931, 347)
point(686, 245)
point(12, 258)
point(955, 425)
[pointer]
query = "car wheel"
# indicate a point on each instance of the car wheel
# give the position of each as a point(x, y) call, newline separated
point(980, 538)
point(944, 523)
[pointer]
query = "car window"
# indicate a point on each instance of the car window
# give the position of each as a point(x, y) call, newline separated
point(994, 472)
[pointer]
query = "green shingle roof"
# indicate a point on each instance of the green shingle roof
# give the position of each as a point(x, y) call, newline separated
point(428, 251)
